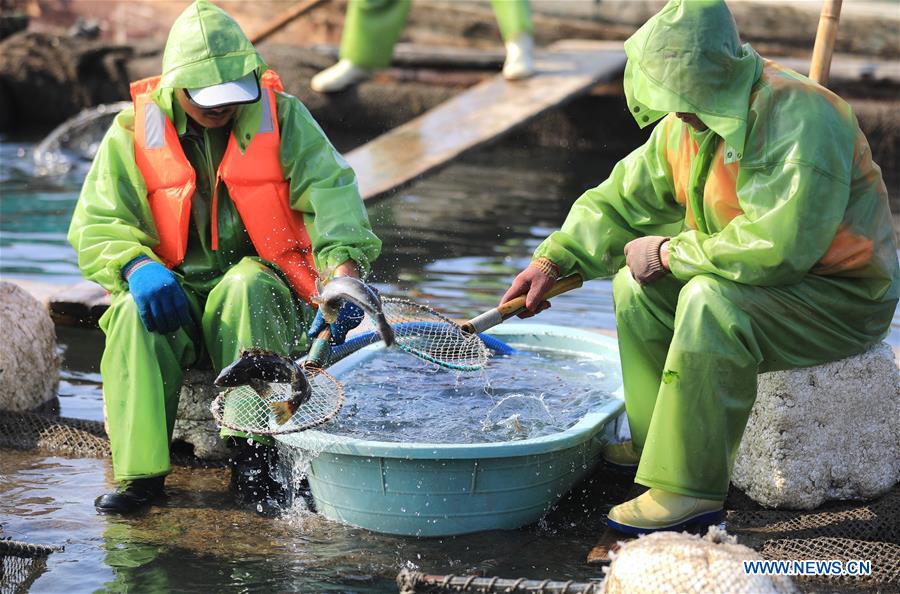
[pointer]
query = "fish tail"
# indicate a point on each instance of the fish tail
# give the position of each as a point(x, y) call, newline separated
point(385, 329)
point(283, 410)
point(301, 391)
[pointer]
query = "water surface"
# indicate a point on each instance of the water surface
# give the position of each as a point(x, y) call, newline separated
point(398, 398)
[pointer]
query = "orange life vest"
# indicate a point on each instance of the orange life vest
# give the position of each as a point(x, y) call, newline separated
point(254, 180)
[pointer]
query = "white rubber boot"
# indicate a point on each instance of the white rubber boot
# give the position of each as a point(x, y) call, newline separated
point(338, 77)
point(519, 58)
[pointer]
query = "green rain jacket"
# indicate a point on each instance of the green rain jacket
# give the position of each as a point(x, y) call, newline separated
point(112, 223)
point(781, 185)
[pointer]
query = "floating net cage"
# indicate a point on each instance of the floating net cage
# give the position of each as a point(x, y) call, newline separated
point(244, 409)
point(21, 564)
point(36, 431)
point(410, 582)
point(844, 532)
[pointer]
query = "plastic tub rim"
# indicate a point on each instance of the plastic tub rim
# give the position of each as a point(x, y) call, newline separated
point(585, 428)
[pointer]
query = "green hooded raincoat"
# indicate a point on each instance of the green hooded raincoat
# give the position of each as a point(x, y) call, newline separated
point(237, 299)
point(782, 252)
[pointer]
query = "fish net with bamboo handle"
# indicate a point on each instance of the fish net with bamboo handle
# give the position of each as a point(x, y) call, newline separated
point(429, 335)
point(418, 330)
point(245, 409)
point(432, 336)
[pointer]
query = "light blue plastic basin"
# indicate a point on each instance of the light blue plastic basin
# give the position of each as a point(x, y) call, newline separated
point(443, 489)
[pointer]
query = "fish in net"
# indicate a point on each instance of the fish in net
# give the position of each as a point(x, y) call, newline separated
point(254, 409)
point(433, 337)
point(675, 562)
point(253, 403)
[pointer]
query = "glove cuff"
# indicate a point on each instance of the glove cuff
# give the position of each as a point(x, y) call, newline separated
point(654, 260)
point(133, 265)
point(546, 266)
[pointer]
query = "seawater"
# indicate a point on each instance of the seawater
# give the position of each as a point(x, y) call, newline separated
point(396, 397)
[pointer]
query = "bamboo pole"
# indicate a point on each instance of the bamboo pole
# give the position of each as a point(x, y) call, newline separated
point(282, 20)
point(826, 35)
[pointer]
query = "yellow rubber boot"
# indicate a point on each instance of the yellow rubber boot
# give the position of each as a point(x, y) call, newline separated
point(658, 510)
point(622, 454)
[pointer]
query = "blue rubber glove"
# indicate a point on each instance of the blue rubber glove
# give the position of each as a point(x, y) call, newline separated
point(349, 317)
point(160, 300)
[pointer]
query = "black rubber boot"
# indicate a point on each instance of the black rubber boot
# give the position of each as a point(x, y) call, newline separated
point(252, 481)
point(131, 496)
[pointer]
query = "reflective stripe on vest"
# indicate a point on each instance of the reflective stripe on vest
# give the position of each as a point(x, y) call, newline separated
point(254, 180)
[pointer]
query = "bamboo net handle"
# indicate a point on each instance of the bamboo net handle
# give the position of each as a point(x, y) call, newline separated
point(826, 35)
point(495, 316)
point(563, 285)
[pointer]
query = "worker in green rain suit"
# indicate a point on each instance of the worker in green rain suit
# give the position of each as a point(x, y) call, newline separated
point(756, 236)
point(219, 296)
point(372, 28)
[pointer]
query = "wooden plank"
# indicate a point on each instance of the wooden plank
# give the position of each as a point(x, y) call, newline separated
point(415, 55)
point(484, 113)
point(609, 542)
point(850, 69)
point(42, 291)
point(282, 20)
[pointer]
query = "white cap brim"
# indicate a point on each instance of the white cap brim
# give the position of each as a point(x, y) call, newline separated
point(242, 90)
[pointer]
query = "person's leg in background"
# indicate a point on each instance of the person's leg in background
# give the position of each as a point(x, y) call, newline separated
point(371, 30)
point(517, 30)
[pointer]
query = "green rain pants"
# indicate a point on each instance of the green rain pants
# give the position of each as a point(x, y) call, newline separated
point(691, 353)
point(372, 28)
point(142, 371)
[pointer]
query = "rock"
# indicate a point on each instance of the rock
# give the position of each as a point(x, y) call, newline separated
point(29, 363)
point(48, 78)
point(674, 562)
point(195, 424)
point(822, 433)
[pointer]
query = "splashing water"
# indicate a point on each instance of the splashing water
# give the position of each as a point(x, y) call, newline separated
point(75, 141)
point(392, 397)
point(518, 414)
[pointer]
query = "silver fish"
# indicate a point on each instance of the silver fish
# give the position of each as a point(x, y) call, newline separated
point(333, 294)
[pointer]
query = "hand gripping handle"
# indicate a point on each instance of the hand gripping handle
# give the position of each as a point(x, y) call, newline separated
point(501, 313)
